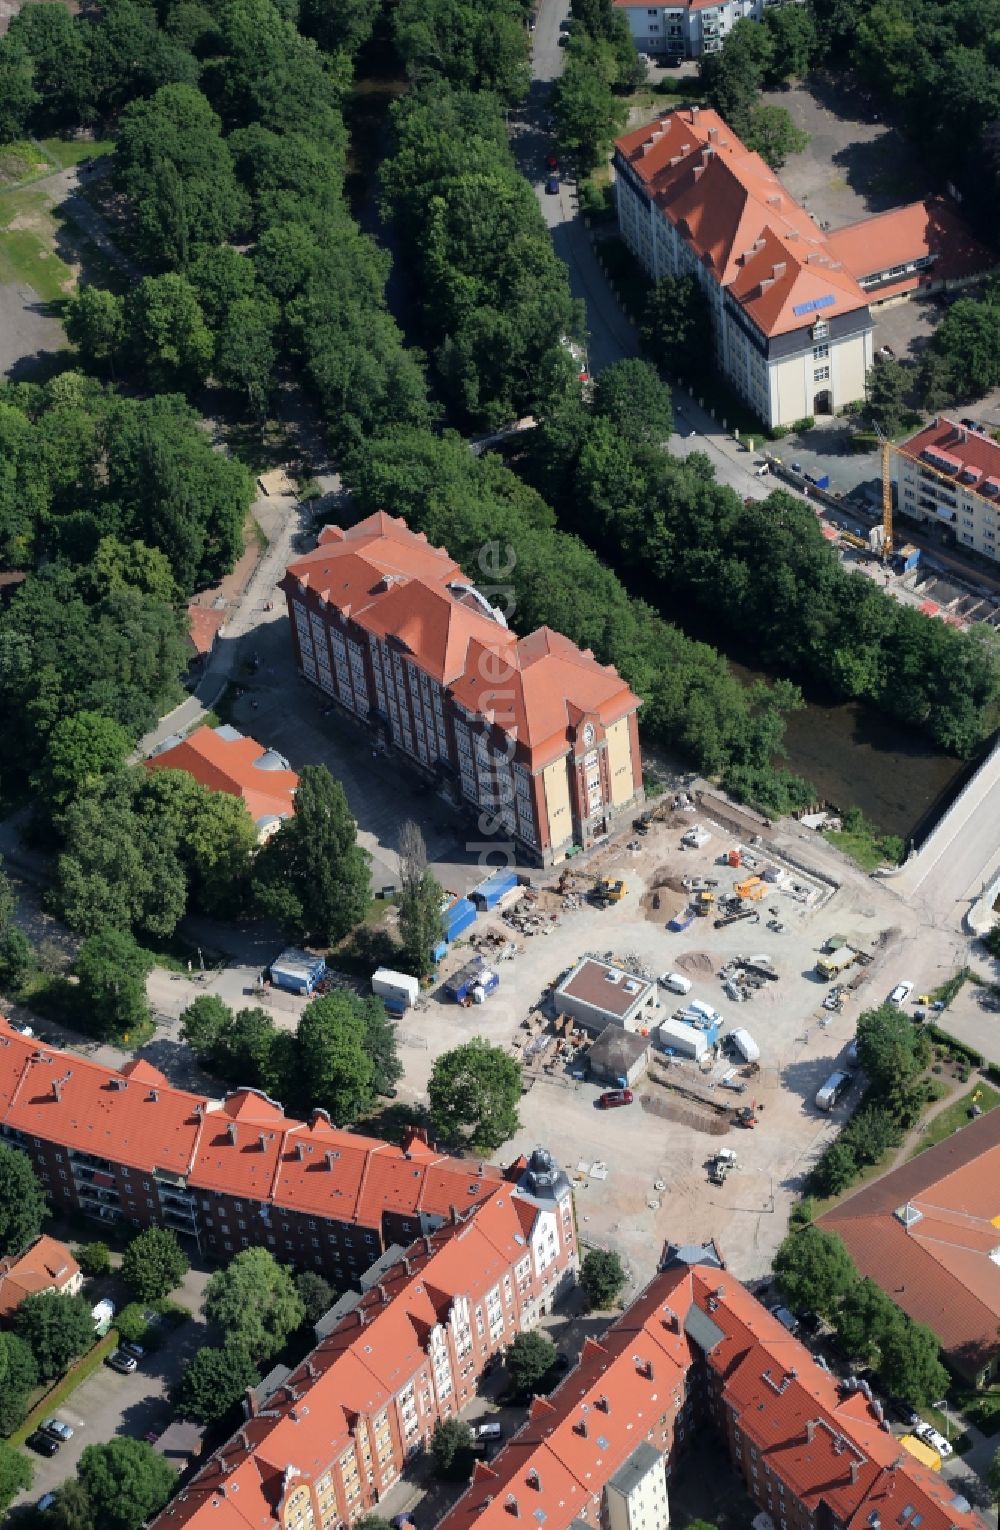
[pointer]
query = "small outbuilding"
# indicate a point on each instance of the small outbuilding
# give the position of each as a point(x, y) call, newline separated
point(618, 1057)
point(296, 971)
point(597, 994)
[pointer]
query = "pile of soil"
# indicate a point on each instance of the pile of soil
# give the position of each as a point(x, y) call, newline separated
point(696, 964)
point(670, 904)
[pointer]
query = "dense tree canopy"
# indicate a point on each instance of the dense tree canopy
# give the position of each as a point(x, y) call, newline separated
point(18, 1374)
point(125, 1481)
point(313, 874)
point(474, 1091)
point(22, 1204)
point(479, 45)
point(212, 1381)
point(154, 1263)
point(57, 1328)
point(254, 1302)
point(813, 1269)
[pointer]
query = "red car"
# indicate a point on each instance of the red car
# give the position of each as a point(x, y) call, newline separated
point(612, 1097)
point(552, 163)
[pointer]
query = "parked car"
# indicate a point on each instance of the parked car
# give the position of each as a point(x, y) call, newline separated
point(46, 1501)
point(489, 1431)
point(135, 1350)
point(552, 161)
point(905, 1412)
point(552, 186)
point(785, 1318)
point(810, 1322)
point(57, 1429)
point(614, 1097)
point(122, 1362)
point(43, 1444)
point(900, 994)
point(931, 1437)
point(21, 1027)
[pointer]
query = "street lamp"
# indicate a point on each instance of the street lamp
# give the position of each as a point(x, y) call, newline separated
point(942, 1407)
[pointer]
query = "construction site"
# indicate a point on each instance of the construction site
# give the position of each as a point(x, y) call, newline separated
point(675, 978)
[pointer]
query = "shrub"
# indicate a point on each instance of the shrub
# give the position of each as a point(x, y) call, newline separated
point(93, 1258)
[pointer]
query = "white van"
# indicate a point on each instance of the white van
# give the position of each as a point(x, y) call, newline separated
point(489, 1432)
point(676, 982)
point(699, 1007)
point(834, 1089)
point(745, 1045)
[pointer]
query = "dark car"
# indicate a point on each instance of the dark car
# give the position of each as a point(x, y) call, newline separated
point(809, 1322)
point(552, 186)
point(562, 1361)
point(552, 162)
point(612, 1097)
point(43, 1444)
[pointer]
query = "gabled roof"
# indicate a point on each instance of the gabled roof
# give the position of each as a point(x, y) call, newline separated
point(352, 1373)
point(45, 1264)
point(227, 761)
point(913, 232)
point(952, 445)
point(241, 1145)
point(929, 1235)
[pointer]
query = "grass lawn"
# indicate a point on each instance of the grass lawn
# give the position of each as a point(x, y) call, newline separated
point(981, 1409)
point(864, 848)
point(52, 1400)
point(21, 162)
point(957, 1115)
point(65, 152)
point(27, 245)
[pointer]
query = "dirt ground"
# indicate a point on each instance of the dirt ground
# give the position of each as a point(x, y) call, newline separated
point(656, 1153)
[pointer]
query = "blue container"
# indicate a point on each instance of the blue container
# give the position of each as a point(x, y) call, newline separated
point(488, 894)
point(458, 917)
point(439, 952)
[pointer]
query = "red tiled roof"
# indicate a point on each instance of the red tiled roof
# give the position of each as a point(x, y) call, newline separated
point(958, 446)
point(232, 763)
point(204, 625)
point(47, 1263)
point(394, 584)
point(896, 237)
point(242, 1145)
point(355, 1371)
point(940, 1269)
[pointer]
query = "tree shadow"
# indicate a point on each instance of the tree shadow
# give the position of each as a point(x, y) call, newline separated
point(879, 170)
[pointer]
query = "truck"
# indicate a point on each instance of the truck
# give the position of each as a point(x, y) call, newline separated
point(831, 963)
point(682, 1040)
point(397, 990)
point(720, 1166)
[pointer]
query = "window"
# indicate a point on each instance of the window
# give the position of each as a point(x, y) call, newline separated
point(819, 351)
point(821, 374)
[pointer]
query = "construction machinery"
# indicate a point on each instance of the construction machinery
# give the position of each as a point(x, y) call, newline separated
point(703, 903)
point(600, 890)
point(753, 888)
point(886, 446)
point(720, 1166)
point(745, 1116)
point(728, 919)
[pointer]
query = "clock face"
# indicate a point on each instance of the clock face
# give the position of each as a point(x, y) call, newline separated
point(588, 734)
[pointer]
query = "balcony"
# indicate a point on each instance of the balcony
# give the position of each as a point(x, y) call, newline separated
point(92, 1161)
point(181, 1223)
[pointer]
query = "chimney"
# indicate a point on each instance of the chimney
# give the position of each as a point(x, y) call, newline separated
point(699, 171)
point(602, 1403)
point(330, 1157)
point(250, 1402)
point(774, 200)
point(779, 269)
point(706, 153)
point(855, 1470)
point(153, 1096)
point(580, 1428)
point(713, 134)
point(511, 1506)
point(263, 1138)
point(243, 1438)
point(534, 1479)
point(810, 1430)
point(766, 281)
point(694, 114)
point(231, 1131)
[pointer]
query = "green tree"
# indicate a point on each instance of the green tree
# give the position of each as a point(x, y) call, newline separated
point(53, 39)
point(813, 1270)
point(910, 1364)
point(17, 958)
point(863, 1319)
point(95, 323)
point(451, 1447)
point(176, 169)
point(891, 1050)
point(871, 1132)
point(529, 1360)
point(255, 1053)
point(340, 26)
point(126, 1482)
point(17, 89)
point(22, 1203)
point(111, 970)
point(132, 566)
point(885, 393)
point(380, 1045)
point(213, 1381)
point(420, 921)
point(57, 1329)
point(479, 45)
point(334, 1069)
point(794, 40)
point(312, 873)
point(205, 1026)
point(991, 941)
point(72, 1509)
point(18, 1374)
point(968, 341)
point(82, 749)
point(245, 352)
point(837, 1169)
point(372, 1522)
point(675, 325)
point(473, 1093)
point(167, 332)
point(770, 130)
point(118, 871)
point(586, 112)
point(93, 1258)
point(154, 1263)
point(15, 1468)
point(732, 78)
point(317, 1294)
point(602, 1277)
point(255, 1303)
point(631, 397)
point(992, 1475)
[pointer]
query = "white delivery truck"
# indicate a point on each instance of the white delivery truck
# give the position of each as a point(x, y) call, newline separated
point(683, 1040)
point(745, 1045)
point(397, 990)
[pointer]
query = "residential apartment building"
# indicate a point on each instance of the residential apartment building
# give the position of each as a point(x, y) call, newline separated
point(697, 1350)
point(687, 28)
point(949, 475)
point(332, 1440)
point(789, 303)
point(124, 1146)
point(531, 734)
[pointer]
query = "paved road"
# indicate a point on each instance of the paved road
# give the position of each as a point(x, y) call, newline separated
point(962, 854)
